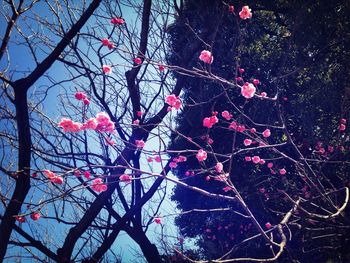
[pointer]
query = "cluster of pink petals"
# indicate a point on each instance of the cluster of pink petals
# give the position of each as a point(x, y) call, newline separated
point(247, 142)
point(69, 126)
point(248, 90)
point(245, 13)
point(173, 164)
point(219, 167)
point(158, 159)
point(226, 115)
point(53, 177)
point(266, 133)
point(35, 216)
point(157, 220)
point(107, 69)
point(201, 155)
point(117, 21)
point(107, 43)
point(231, 9)
point(90, 124)
point(126, 178)
point(104, 123)
point(342, 126)
point(161, 68)
point(210, 121)
point(256, 82)
point(98, 185)
point(206, 57)
point(238, 127)
point(82, 96)
point(180, 159)
point(282, 171)
point(137, 61)
point(140, 144)
point(173, 101)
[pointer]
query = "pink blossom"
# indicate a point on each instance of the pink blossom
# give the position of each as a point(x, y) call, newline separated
point(182, 158)
point(56, 180)
point(266, 133)
point(342, 127)
point(173, 101)
point(139, 114)
point(241, 70)
point(69, 126)
point(126, 178)
point(343, 121)
point(206, 57)
point(201, 155)
point(207, 178)
point(187, 173)
point(87, 174)
point(149, 159)
point(241, 128)
point(247, 142)
point(90, 124)
point(282, 171)
point(34, 175)
point(263, 94)
point(247, 158)
point(262, 161)
point(245, 13)
point(107, 69)
point(136, 122)
point(158, 159)
point(231, 9)
point(256, 159)
point(172, 164)
point(35, 216)
point(137, 61)
point(330, 148)
point(262, 190)
point(140, 144)
point(80, 95)
point(239, 79)
point(157, 220)
point(248, 90)
point(77, 173)
point(161, 68)
point(268, 225)
point(104, 123)
point(20, 219)
point(86, 101)
point(253, 130)
point(270, 165)
point(98, 185)
point(210, 121)
point(105, 41)
point(256, 82)
point(233, 125)
point(49, 174)
point(210, 141)
point(117, 21)
point(227, 188)
point(219, 167)
point(225, 114)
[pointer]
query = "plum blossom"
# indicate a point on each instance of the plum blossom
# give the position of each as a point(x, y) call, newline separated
point(107, 43)
point(80, 95)
point(247, 142)
point(90, 124)
point(245, 13)
point(107, 69)
point(270, 165)
point(87, 174)
point(256, 82)
point(201, 155)
point(263, 94)
point(104, 123)
point(210, 121)
point(117, 21)
point(342, 127)
point(253, 130)
point(268, 225)
point(247, 158)
point(158, 159)
point(69, 126)
point(56, 180)
point(266, 133)
point(248, 90)
point(157, 220)
point(241, 70)
point(126, 178)
point(98, 185)
point(86, 101)
point(173, 101)
point(226, 115)
point(20, 219)
point(206, 57)
point(231, 9)
point(282, 171)
point(140, 144)
point(343, 121)
point(137, 61)
point(219, 167)
point(161, 68)
point(256, 159)
point(35, 216)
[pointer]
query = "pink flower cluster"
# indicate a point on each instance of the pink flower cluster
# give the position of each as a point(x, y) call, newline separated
point(98, 185)
point(226, 115)
point(107, 69)
point(117, 21)
point(342, 125)
point(206, 57)
point(245, 13)
point(201, 155)
point(238, 127)
point(102, 123)
point(210, 121)
point(107, 43)
point(53, 177)
point(140, 144)
point(173, 101)
point(82, 96)
point(126, 178)
point(137, 61)
point(248, 90)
